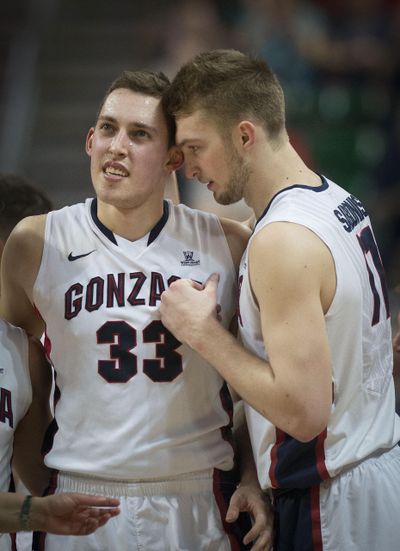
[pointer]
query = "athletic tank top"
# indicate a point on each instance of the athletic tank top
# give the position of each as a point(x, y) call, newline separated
point(131, 401)
point(363, 418)
point(15, 392)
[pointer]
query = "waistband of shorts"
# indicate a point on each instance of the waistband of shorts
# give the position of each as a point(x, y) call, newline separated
point(190, 483)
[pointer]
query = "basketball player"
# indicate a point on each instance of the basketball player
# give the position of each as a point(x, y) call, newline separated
point(315, 367)
point(24, 408)
point(137, 415)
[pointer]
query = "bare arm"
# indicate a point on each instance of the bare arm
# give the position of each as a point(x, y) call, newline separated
point(29, 435)
point(249, 497)
point(65, 514)
point(291, 277)
point(237, 236)
point(19, 267)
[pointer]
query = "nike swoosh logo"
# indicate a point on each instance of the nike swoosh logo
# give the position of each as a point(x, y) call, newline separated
point(71, 257)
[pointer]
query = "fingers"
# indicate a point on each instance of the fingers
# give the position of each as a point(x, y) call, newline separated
point(235, 506)
point(90, 526)
point(212, 283)
point(105, 518)
point(261, 532)
point(263, 543)
point(232, 513)
point(196, 284)
point(98, 512)
point(89, 520)
point(94, 501)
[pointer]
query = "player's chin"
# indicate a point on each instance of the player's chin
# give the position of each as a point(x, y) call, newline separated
point(223, 198)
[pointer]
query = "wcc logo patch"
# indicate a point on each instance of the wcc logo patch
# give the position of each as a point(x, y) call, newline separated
point(189, 260)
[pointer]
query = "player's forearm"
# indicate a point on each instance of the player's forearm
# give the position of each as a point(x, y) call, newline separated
point(17, 514)
point(10, 507)
point(28, 459)
point(248, 472)
point(279, 397)
point(247, 374)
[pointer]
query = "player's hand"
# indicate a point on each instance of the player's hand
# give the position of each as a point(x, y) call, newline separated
point(252, 500)
point(72, 513)
point(187, 308)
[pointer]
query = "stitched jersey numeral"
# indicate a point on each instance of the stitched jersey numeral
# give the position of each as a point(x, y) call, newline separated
point(369, 246)
point(122, 365)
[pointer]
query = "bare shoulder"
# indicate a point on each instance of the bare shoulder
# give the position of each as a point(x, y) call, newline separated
point(25, 243)
point(19, 267)
point(30, 228)
point(287, 256)
point(287, 242)
point(237, 235)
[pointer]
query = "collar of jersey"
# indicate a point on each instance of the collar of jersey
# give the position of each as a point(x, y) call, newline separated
point(110, 235)
point(324, 185)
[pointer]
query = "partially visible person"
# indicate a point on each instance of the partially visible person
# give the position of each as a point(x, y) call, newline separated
point(25, 383)
point(18, 199)
point(158, 432)
point(70, 514)
point(314, 364)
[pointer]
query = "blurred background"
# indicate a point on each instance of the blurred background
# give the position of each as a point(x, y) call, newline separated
point(338, 60)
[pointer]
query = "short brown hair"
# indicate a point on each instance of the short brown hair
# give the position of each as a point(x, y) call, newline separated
point(148, 83)
point(228, 84)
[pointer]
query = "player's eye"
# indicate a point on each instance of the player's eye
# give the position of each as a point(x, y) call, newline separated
point(140, 134)
point(106, 126)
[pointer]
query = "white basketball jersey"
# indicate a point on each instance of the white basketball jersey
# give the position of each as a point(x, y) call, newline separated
point(15, 392)
point(363, 418)
point(131, 402)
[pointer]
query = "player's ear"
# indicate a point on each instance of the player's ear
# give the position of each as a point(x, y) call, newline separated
point(246, 134)
point(175, 158)
point(89, 141)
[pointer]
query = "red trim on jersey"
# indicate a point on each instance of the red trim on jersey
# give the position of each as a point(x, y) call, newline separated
point(223, 508)
point(13, 538)
point(315, 519)
point(47, 346)
point(226, 430)
point(320, 456)
point(280, 438)
point(47, 342)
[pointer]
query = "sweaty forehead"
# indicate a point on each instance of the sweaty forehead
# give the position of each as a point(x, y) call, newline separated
point(132, 106)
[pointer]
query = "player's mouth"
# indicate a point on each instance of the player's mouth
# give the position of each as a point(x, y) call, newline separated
point(114, 170)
